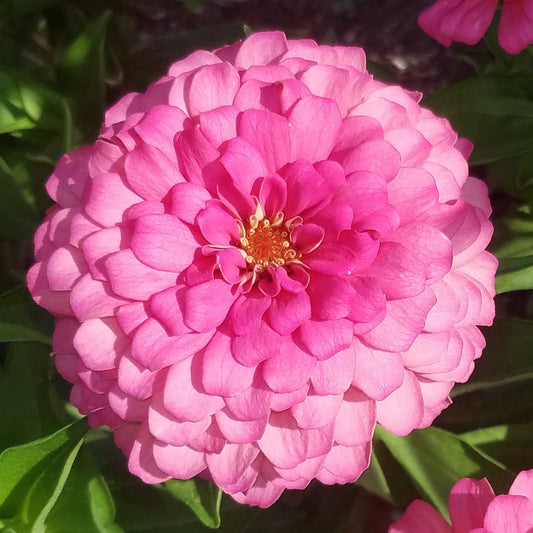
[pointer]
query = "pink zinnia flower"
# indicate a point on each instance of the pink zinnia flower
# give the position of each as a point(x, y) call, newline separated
point(259, 258)
point(475, 509)
point(466, 21)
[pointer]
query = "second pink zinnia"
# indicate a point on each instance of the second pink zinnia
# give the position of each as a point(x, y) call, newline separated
point(261, 257)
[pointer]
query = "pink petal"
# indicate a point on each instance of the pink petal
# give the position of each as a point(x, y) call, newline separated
point(240, 431)
point(181, 462)
point(273, 195)
point(246, 313)
point(316, 122)
point(356, 419)
point(186, 200)
point(468, 503)
point(256, 346)
point(261, 49)
point(523, 485)
point(243, 163)
point(159, 126)
point(377, 373)
point(165, 428)
point(129, 278)
point(134, 379)
point(230, 465)
point(141, 460)
point(420, 517)
point(323, 339)
point(100, 343)
point(107, 199)
point(334, 375)
point(206, 305)
point(253, 403)
point(211, 87)
point(286, 445)
point(316, 411)
point(197, 59)
point(150, 173)
point(218, 226)
point(183, 396)
point(222, 375)
point(402, 410)
point(269, 134)
point(403, 321)
point(307, 237)
point(219, 125)
point(97, 246)
point(512, 514)
point(90, 298)
point(65, 266)
point(344, 464)
point(288, 311)
point(289, 368)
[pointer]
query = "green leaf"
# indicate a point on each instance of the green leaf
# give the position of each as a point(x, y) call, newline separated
point(435, 460)
point(513, 246)
point(53, 485)
point(23, 320)
point(508, 443)
point(81, 73)
point(374, 479)
point(506, 358)
point(26, 395)
point(27, 104)
point(22, 466)
point(494, 111)
point(201, 496)
point(18, 216)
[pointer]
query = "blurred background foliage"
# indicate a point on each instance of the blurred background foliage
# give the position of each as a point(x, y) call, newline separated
point(61, 64)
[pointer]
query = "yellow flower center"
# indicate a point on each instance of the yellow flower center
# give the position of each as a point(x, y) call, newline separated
point(266, 242)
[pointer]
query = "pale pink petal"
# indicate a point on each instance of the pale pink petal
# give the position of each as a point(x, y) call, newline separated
point(509, 513)
point(261, 49)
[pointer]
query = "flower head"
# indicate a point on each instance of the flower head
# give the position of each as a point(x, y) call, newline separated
point(466, 21)
point(475, 509)
point(261, 257)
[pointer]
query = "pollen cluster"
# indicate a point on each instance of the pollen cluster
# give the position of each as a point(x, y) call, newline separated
point(265, 242)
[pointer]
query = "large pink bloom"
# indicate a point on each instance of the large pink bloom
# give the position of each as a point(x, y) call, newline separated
point(466, 21)
point(475, 509)
point(261, 257)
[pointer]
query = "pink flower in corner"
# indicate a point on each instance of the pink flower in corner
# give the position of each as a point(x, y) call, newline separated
point(475, 509)
point(261, 257)
point(466, 21)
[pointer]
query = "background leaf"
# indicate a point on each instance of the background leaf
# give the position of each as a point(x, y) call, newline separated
point(435, 459)
point(203, 498)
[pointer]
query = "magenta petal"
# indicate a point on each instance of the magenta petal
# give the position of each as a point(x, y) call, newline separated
point(150, 173)
point(219, 125)
point(332, 259)
point(398, 272)
point(307, 237)
point(246, 313)
point(243, 163)
point(222, 375)
point(323, 339)
point(163, 242)
point(272, 195)
point(159, 126)
point(186, 200)
point(420, 517)
point(316, 122)
point(256, 346)
point(468, 503)
point(288, 311)
point(206, 305)
point(218, 226)
point(269, 134)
